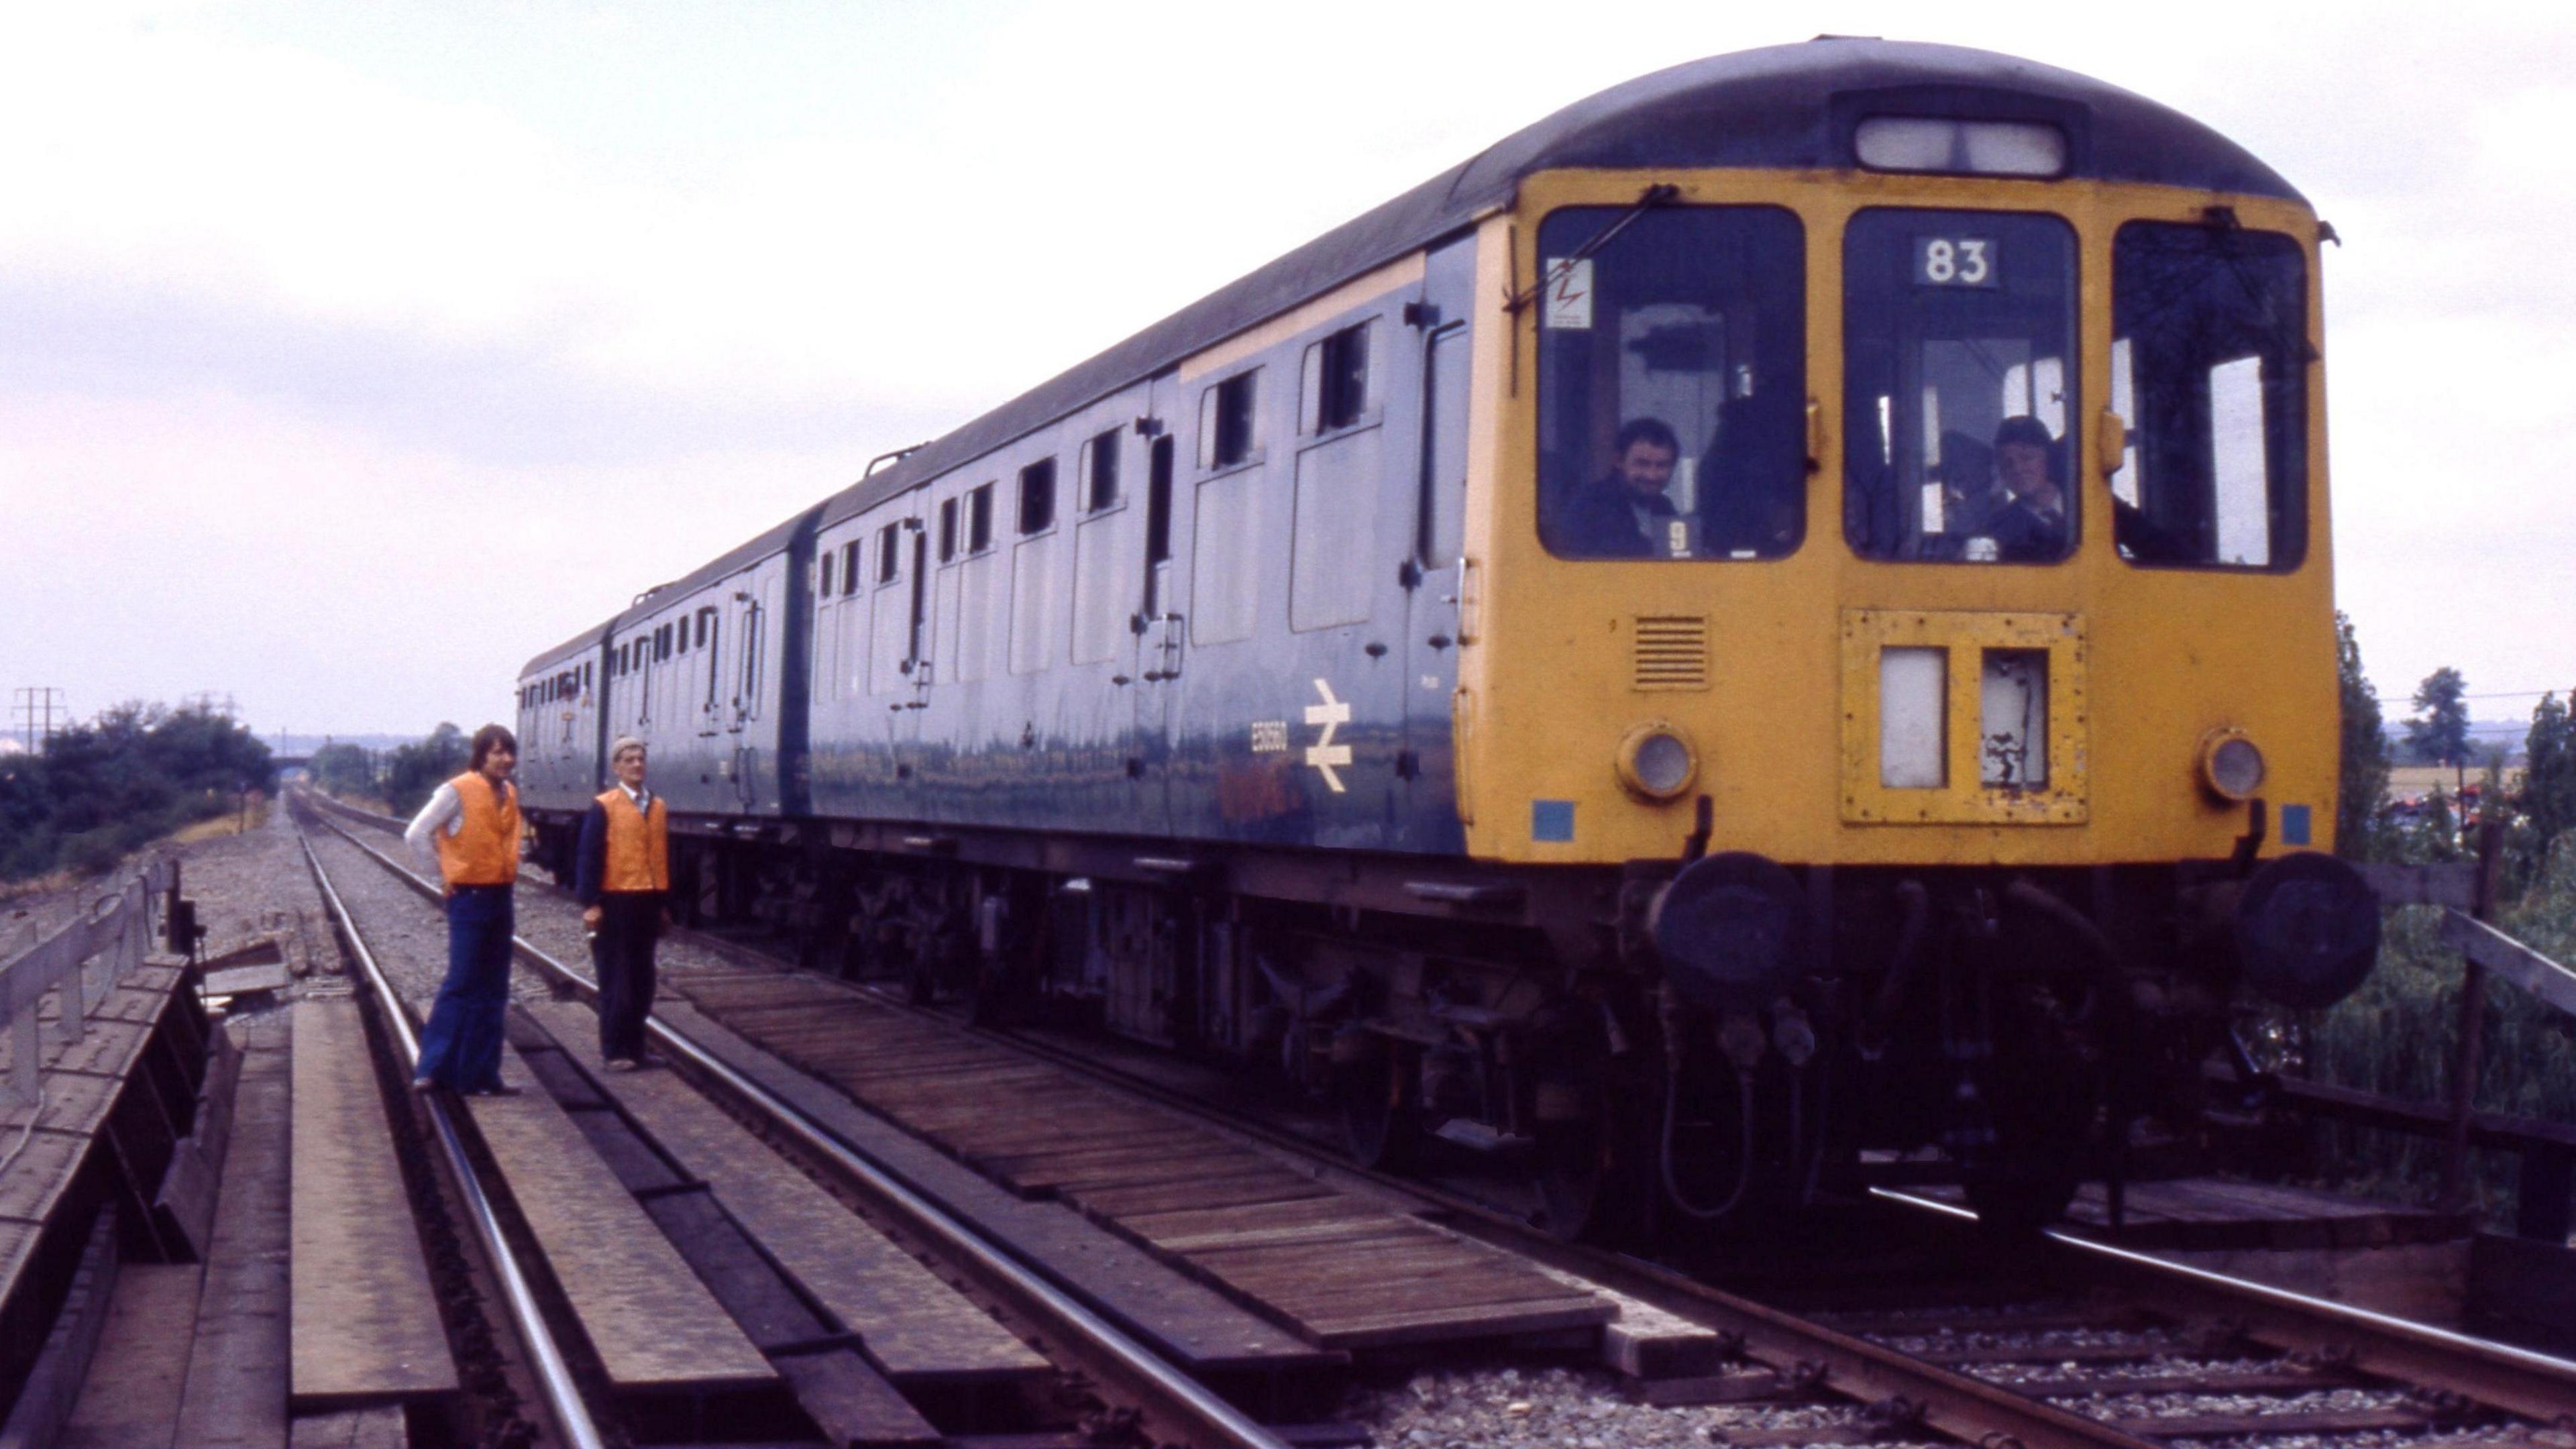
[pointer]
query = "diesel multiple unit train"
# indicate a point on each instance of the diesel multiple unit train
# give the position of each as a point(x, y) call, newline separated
point(1768, 633)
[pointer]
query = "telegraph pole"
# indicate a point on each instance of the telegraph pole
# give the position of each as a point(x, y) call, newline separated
point(36, 706)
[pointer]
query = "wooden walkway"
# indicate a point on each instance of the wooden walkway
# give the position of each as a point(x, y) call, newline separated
point(650, 1320)
point(915, 1327)
point(80, 1087)
point(365, 1324)
point(82, 1084)
point(1343, 1271)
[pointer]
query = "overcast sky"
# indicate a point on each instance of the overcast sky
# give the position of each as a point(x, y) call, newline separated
point(350, 354)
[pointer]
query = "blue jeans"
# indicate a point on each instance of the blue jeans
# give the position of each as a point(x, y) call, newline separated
point(461, 1046)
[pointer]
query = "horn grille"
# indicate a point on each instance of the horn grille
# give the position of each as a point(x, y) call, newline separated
point(1671, 652)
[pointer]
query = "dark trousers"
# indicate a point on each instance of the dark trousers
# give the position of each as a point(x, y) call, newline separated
point(461, 1046)
point(623, 954)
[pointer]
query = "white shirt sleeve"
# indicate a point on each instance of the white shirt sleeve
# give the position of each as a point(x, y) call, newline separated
point(445, 813)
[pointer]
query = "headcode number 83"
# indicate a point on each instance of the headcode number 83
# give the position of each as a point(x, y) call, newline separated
point(1954, 261)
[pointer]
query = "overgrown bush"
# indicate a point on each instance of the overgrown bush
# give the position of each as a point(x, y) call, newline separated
point(2398, 1034)
point(100, 790)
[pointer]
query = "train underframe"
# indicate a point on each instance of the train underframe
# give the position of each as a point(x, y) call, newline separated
point(2010, 1031)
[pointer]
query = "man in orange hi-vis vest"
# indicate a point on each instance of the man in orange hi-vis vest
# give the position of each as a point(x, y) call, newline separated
point(472, 824)
point(622, 877)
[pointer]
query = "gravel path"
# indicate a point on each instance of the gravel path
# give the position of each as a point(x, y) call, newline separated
point(255, 886)
point(405, 931)
point(547, 917)
point(248, 888)
point(2372, 1439)
point(1562, 1408)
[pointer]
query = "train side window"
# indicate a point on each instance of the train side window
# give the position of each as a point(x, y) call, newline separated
point(1336, 378)
point(920, 611)
point(1959, 386)
point(1158, 523)
point(747, 699)
point(947, 529)
point(850, 567)
point(979, 519)
point(1444, 447)
point(680, 636)
point(889, 563)
point(2209, 354)
point(1037, 497)
point(1226, 421)
point(1100, 471)
point(585, 676)
point(710, 638)
point(1672, 382)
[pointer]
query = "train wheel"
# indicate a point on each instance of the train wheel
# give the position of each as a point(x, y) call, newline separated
point(2018, 1197)
point(2047, 1095)
point(1379, 1125)
point(1574, 1174)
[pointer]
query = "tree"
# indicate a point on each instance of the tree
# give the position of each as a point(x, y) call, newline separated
point(2548, 796)
point(2439, 733)
point(344, 769)
point(2362, 789)
point(107, 787)
point(2438, 834)
point(415, 771)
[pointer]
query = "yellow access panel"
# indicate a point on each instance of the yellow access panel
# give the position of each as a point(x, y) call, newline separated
point(1962, 718)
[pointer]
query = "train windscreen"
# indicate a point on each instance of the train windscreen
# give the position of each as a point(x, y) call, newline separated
point(1672, 398)
point(1959, 386)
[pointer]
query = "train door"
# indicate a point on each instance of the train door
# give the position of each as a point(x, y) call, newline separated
point(908, 631)
point(1158, 630)
point(748, 613)
point(1437, 605)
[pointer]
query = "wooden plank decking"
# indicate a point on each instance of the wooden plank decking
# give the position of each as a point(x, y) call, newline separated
point(1377, 1277)
point(915, 1327)
point(365, 1326)
point(652, 1323)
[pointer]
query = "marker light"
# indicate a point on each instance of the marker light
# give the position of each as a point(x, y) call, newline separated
point(2230, 765)
point(1656, 761)
point(1976, 148)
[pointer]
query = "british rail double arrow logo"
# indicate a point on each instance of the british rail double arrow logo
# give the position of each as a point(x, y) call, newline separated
point(1323, 754)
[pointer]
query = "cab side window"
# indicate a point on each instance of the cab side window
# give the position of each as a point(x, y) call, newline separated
point(2209, 354)
point(1672, 389)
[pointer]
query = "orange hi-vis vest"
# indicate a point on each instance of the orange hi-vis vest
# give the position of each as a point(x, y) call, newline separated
point(484, 851)
point(639, 844)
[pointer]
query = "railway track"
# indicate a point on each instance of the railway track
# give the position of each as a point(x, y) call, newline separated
point(1145, 1399)
point(2067, 1343)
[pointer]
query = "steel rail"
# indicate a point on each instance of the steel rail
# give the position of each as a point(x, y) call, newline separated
point(1956, 1403)
point(563, 1396)
point(1181, 1397)
point(2514, 1380)
point(2511, 1379)
point(2520, 1380)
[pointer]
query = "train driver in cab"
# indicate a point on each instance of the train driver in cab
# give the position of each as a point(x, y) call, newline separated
point(2031, 526)
point(1625, 513)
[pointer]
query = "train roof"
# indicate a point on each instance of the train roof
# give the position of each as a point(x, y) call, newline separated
point(732, 561)
point(1784, 106)
point(575, 647)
